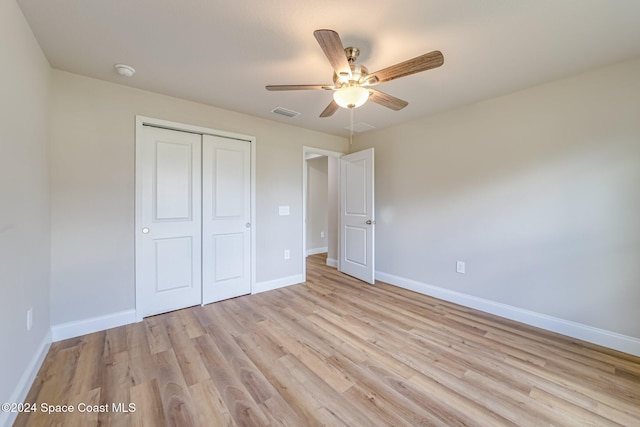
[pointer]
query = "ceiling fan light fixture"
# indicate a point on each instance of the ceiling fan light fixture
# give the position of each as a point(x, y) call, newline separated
point(351, 80)
point(351, 96)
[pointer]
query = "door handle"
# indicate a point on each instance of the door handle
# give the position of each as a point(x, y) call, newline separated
point(145, 230)
point(369, 222)
point(248, 225)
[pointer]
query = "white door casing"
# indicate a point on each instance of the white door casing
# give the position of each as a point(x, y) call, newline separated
point(226, 218)
point(306, 151)
point(357, 216)
point(168, 231)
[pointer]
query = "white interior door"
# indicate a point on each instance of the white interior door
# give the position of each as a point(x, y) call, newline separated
point(168, 224)
point(226, 218)
point(357, 221)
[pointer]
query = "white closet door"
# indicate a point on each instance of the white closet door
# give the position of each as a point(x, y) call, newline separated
point(226, 218)
point(168, 225)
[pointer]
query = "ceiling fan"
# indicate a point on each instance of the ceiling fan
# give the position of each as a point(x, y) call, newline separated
point(352, 82)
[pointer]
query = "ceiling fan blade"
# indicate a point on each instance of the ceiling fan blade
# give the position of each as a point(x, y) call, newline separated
point(331, 45)
point(331, 108)
point(299, 87)
point(420, 63)
point(387, 100)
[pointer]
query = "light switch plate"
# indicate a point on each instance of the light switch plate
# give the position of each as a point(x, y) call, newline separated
point(283, 210)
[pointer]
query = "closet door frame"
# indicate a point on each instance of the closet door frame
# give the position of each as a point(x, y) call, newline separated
point(149, 121)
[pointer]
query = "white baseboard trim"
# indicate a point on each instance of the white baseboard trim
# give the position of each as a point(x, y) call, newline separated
point(277, 283)
point(26, 380)
point(317, 251)
point(569, 328)
point(74, 329)
point(332, 262)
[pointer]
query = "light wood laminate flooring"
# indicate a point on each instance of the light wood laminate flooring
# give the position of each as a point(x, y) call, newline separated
point(338, 352)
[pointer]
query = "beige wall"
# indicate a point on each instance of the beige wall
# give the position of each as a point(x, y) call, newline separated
point(24, 204)
point(317, 203)
point(333, 220)
point(92, 162)
point(538, 191)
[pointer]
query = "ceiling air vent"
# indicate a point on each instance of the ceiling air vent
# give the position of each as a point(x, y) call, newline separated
point(285, 112)
point(360, 127)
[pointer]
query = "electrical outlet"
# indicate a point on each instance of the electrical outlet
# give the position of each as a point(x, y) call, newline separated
point(287, 254)
point(29, 318)
point(322, 234)
point(460, 267)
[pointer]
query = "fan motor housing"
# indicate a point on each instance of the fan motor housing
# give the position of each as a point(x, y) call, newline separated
point(352, 53)
point(358, 71)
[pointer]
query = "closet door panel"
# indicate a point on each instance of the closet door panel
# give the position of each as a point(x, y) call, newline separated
point(168, 226)
point(226, 222)
point(229, 184)
point(173, 182)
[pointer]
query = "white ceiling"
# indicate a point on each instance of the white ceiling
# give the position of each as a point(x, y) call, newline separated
point(223, 53)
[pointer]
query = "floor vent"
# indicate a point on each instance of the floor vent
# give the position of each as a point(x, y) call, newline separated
point(285, 112)
point(360, 127)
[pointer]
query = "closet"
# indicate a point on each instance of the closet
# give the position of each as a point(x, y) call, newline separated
point(193, 216)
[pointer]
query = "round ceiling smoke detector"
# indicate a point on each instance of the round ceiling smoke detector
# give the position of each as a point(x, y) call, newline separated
point(125, 70)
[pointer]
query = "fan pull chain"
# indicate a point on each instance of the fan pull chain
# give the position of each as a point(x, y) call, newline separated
point(351, 126)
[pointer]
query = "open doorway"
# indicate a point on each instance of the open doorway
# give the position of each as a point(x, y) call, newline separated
point(321, 181)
